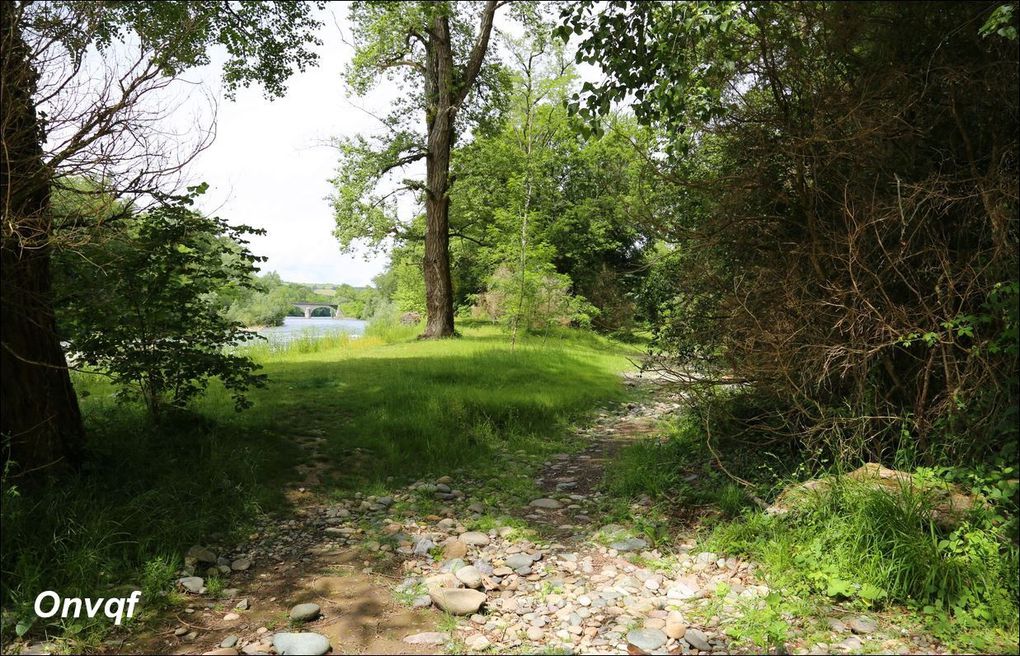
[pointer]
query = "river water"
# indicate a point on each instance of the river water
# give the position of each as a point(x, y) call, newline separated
point(294, 327)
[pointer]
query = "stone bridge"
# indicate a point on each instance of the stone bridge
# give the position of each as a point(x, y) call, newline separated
point(309, 306)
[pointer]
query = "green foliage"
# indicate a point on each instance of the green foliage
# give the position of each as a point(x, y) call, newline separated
point(264, 42)
point(535, 300)
point(146, 493)
point(774, 209)
point(140, 307)
point(763, 623)
point(1001, 22)
point(872, 547)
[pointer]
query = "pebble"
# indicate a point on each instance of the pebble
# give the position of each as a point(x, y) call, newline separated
point(477, 642)
point(469, 576)
point(229, 641)
point(457, 601)
point(193, 584)
point(427, 638)
point(296, 644)
point(863, 625)
point(474, 539)
point(548, 504)
point(697, 638)
point(305, 612)
point(455, 549)
point(675, 625)
point(646, 640)
point(240, 565)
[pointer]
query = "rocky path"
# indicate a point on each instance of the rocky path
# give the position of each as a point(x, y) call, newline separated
point(432, 568)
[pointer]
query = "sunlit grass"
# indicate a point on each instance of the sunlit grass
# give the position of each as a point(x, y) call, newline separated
point(389, 412)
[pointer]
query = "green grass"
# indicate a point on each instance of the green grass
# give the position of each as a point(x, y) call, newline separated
point(858, 547)
point(389, 413)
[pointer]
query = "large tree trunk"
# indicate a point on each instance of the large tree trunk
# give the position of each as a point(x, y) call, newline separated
point(439, 117)
point(39, 419)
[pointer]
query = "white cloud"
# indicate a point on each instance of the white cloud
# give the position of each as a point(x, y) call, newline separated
point(269, 166)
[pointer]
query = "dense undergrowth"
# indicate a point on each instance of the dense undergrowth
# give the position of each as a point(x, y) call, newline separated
point(858, 546)
point(390, 410)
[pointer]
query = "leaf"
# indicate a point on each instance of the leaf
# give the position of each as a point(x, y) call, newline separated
point(839, 588)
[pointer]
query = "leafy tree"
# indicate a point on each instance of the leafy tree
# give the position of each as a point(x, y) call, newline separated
point(845, 228)
point(61, 119)
point(537, 186)
point(436, 53)
point(142, 307)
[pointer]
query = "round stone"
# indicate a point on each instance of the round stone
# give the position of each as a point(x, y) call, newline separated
point(295, 644)
point(469, 576)
point(304, 612)
point(646, 640)
point(474, 538)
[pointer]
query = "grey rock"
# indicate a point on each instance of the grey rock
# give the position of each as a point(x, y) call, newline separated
point(458, 601)
point(228, 642)
point(631, 544)
point(240, 564)
point(863, 625)
point(469, 576)
point(853, 643)
point(422, 546)
point(519, 561)
point(427, 638)
point(548, 504)
point(697, 638)
point(200, 554)
point(296, 644)
point(244, 604)
point(194, 584)
point(305, 612)
point(646, 640)
point(474, 539)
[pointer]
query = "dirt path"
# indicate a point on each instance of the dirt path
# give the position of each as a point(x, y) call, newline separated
point(431, 568)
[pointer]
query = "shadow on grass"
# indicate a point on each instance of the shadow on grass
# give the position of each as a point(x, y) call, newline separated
point(148, 492)
point(407, 416)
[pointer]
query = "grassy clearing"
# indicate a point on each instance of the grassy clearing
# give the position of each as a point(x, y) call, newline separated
point(389, 411)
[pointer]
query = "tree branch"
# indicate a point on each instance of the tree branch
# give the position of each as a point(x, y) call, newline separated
point(474, 63)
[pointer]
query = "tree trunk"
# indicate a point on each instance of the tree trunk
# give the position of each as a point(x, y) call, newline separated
point(39, 420)
point(439, 117)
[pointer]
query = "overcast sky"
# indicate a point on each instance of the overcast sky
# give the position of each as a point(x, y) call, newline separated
point(269, 166)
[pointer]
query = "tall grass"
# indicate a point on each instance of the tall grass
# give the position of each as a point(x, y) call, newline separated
point(874, 546)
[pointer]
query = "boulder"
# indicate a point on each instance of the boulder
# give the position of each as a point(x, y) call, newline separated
point(950, 504)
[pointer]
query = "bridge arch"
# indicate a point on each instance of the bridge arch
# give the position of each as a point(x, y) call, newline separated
point(309, 307)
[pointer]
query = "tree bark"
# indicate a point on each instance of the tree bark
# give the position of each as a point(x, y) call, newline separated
point(439, 117)
point(445, 90)
point(40, 421)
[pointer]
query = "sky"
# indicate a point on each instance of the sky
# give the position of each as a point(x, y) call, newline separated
point(270, 164)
